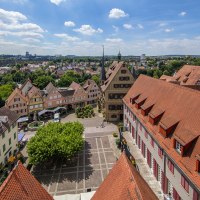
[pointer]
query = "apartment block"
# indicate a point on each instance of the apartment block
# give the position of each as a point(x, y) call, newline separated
point(163, 119)
point(8, 134)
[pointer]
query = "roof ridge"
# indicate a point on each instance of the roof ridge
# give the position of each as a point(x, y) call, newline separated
point(127, 163)
point(172, 84)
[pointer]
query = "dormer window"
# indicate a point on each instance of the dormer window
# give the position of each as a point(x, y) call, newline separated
point(178, 147)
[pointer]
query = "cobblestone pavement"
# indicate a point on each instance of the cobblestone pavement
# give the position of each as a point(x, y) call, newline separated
point(86, 172)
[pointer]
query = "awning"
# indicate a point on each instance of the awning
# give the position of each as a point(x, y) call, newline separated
point(22, 119)
point(44, 111)
point(20, 136)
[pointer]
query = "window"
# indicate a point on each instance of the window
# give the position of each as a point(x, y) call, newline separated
point(195, 195)
point(160, 152)
point(31, 107)
point(178, 147)
point(146, 134)
point(3, 135)
point(170, 166)
point(4, 147)
point(113, 116)
point(14, 136)
point(10, 141)
point(185, 183)
point(152, 142)
point(140, 126)
point(124, 78)
point(123, 71)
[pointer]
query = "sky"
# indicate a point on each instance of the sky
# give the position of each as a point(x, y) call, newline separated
point(81, 27)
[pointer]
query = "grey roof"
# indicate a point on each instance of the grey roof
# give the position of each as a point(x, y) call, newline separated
point(12, 118)
point(66, 93)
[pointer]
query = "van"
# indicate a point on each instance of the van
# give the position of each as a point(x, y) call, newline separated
point(56, 117)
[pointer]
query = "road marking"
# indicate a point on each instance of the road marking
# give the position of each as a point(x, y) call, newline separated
point(104, 155)
point(77, 174)
point(83, 167)
point(58, 179)
point(99, 160)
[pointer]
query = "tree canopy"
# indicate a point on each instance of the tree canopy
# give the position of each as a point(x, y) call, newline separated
point(55, 140)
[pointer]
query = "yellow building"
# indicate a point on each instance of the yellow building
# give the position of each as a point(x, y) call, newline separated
point(8, 134)
point(118, 81)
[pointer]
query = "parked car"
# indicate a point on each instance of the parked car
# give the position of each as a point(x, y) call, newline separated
point(56, 117)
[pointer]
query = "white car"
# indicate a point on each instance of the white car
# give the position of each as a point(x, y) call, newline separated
point(56, 117)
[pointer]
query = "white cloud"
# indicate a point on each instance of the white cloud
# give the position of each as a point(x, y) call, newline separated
point(162, 24)
point(14, 24)
point(183, 14)
point(16, 1)
point(69, 24)
point(31, 40)
point(128, 26)
point(88, 30)
point(11, 16)
point(114, 40)
point(57, 2)
point(23, 26)
point(21, 34)
point(115, 28)
point(66, 37)
point(140, 26)
point(168, 30)
point(117, 13)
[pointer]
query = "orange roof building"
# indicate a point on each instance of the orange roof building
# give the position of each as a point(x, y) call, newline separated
point(188, 76)
point(20, 184)
point(124, 183)
point(163, 119)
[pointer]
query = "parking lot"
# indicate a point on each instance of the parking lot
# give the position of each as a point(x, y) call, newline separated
point(86, 173)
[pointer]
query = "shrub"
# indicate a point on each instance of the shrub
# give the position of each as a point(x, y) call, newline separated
point(115, 134)
point(117, 141)
point(85, 112)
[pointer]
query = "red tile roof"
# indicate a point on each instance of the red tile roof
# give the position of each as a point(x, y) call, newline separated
point(188, 75)
point(178, 104)
point(124, 183)
point(20, 184)
point(75, 86)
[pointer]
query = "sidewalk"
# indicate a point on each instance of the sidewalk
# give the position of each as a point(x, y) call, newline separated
point(143, 166)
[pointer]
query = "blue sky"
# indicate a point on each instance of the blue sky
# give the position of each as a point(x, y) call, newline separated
point(81, 27)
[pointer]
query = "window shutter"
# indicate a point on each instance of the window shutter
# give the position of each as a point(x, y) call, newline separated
point(182, 180)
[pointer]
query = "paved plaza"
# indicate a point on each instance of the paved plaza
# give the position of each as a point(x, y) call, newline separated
point(86, 172)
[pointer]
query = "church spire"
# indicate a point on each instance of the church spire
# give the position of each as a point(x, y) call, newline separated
point(119, 56)
point(103, 72)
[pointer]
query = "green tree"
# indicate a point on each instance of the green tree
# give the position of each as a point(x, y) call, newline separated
point(96, 78)
point(56, 140)
point(5, 91)
point(43, 81)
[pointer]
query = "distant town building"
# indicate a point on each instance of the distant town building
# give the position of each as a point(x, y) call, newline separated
point(9, 134)
point(93, 91)
point(143, 60)
point(118, 81)
point(163, 120)
point(27, 54)
point(188, 76)
point(80, 96)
